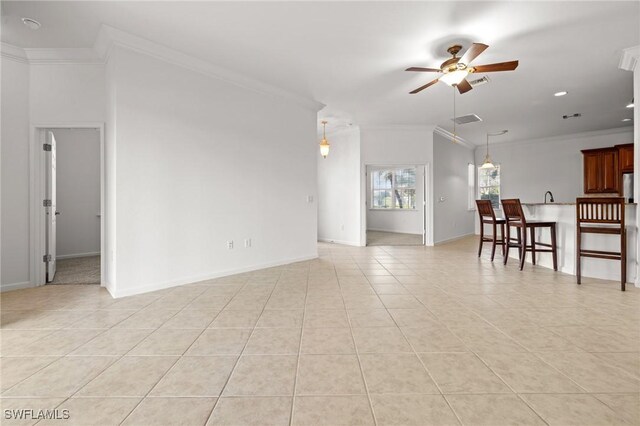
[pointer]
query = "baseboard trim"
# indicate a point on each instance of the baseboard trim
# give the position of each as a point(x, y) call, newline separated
point(342, 242)
point(452, 239)
point(394, 232)
point(73, 256)
point(116, 294)
point(16, 286)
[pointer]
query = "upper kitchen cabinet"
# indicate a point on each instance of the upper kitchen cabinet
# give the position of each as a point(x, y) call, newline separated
point(601, 171)
point(625, 156)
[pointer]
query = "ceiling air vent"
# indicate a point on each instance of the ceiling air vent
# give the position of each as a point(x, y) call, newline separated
point(576, 115)
point(466, 119)
point(479, 81)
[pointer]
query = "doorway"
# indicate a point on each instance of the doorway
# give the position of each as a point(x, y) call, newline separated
point(395, 205)
point(67, 204)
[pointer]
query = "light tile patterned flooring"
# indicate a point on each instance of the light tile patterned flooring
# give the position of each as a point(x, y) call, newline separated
point(403, 335)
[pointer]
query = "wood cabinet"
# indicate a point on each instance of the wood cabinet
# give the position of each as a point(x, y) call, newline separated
point(601, 171)
point(625, 157)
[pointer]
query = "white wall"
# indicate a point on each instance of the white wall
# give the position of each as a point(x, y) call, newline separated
point(14, 153)
point(393, 145)
point(396, 220)
point(452, 217)
point(530, 168)
point(339, 189)
point(198, 162)
point(78, 192)
point(64, 93)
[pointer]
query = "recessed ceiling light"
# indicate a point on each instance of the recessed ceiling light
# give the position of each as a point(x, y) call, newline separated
point(630, 105)
point(626, 119)
point(562, 93)
point(31, 23)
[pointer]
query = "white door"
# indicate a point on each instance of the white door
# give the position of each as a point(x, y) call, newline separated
point(51, 211)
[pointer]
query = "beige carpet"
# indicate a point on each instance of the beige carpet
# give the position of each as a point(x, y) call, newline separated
point(79, 270)
point(379, 238)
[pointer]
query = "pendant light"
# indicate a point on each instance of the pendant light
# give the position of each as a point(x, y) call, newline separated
point(324, 144)
point(487, 163)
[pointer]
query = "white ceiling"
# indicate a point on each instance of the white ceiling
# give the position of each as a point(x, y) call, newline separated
point(351, 56)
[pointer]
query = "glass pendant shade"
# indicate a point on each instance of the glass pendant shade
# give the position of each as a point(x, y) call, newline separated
point(324, 148)
point(487, 163)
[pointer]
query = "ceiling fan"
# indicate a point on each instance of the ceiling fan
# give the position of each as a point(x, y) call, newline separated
point(455, 70)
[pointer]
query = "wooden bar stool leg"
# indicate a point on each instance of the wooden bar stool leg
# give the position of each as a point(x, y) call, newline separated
point(519, 231)
point(481, 238)
point(523, 251)
point(554, 247)
point(533, 245)
point(623, 259)
point(495, 241)
point(578, 251)
point(502, 237)
point(507, 244)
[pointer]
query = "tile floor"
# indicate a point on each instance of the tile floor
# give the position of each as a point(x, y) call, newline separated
point(379, 335)
point(382, 238)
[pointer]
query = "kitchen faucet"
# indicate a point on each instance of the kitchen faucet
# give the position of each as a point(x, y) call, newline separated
point(550, 198)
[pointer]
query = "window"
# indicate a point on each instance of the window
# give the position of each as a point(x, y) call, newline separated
point(393, 188)
point(471, 186)
point(489, 185)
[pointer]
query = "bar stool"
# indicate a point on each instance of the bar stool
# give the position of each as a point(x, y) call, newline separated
point(515, 218)
point(488, 216)
point(609, 213)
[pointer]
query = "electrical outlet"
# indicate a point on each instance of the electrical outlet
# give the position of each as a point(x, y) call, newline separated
point(230, 245)
point(247, 243)
point(309, 198)
point(342, 227)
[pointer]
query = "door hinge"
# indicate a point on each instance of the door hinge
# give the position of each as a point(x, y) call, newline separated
point(46, 203)
point(46, 258)
point(46, 147)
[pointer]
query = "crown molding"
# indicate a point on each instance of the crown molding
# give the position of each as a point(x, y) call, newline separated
point(51, 56)
point(448, 135)
point(563, 138)
point(110, 37)
point(14, 53)
point(63, 56)
point(630, 58)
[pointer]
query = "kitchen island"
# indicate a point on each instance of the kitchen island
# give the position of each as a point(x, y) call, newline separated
point(565, 216)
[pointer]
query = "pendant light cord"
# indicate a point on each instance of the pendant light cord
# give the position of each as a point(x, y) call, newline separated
point(487, 144)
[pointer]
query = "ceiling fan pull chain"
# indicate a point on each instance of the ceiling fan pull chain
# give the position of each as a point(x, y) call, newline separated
point(454, 114)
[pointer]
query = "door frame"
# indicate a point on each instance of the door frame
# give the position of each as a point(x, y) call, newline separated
point(37, 191)
point(427, 209)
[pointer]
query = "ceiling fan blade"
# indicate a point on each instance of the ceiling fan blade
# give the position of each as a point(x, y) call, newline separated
point(463, 86)
point(420, 69)
point(473, 52)
point(502, 66)
point(421, 88)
